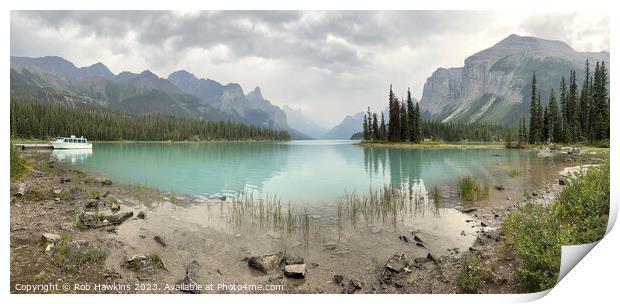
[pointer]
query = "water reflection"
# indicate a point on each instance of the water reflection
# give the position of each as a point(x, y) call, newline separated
point(72, 155)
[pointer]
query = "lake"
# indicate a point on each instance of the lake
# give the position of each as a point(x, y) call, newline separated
point(306, 172)
point(336, 221)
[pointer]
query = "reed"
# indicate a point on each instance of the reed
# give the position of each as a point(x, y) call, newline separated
point(471, 190)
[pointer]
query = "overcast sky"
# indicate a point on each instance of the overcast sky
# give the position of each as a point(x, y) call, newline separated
point(328, 64)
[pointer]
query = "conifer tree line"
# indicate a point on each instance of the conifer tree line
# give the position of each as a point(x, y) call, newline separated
point(40, 120)
point(406, 125)
point(581, 115)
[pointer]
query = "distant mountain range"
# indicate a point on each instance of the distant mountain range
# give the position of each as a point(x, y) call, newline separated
point(494, 84)
point(54, 79)
point(300, 122)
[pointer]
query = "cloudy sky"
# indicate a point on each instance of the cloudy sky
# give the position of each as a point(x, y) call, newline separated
point(328, 64)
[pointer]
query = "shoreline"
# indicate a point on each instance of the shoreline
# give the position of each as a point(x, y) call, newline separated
point(54, 215)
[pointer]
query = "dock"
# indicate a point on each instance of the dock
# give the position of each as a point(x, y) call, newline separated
point(34, 146)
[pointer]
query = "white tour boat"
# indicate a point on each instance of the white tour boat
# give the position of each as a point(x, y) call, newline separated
point(71, 143)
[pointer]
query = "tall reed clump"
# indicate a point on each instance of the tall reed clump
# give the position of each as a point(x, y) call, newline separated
point(267, 212)
point(471, 190)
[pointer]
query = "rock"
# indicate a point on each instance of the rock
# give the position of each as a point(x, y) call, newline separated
point(403, 238)
point(266, 263)
point(92, 203)
point(431, 257)
point(468, 210)
point(192, 268)
point(57, 191)
point(21, 190)
point(51, 238)
point(106, 182)
point(500, 187)
point(160, 240)
point(65, 180)
point(49, 249)
point(92, 220)
point(115, 207)
point(338, 279)
point(483, 224)
point(354, 285)
point(534, 194)
point(574, 151)
point(141, 215)
point(397, 263)
point(421, 260)
point(562, 181)
point(79, 247)
point(313, 265)
point(296, 271)
point(105, 194)
point(292, 260)
point(139, 262)
point(417, 239)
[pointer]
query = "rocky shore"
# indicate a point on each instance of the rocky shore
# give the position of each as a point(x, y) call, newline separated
point(65, 229)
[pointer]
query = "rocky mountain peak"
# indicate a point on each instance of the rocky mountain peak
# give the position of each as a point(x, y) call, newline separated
point(255, 94)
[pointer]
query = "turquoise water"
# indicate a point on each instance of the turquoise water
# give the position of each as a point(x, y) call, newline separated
point(298, 171)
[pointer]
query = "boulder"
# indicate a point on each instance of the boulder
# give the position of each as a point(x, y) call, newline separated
point(92, 203)
point(297, 271)
point(562, 181)
point(160, 240)
point(93, 220)
point(106, 182)
point(51, 238)
point(79, 247)
point(397, 263)
point(338, 279)
point(140, 262)
point(115, 207)
point(141, 215)
point(266, 263)
point(292, 260)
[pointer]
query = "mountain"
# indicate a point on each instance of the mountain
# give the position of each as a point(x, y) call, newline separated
point(494, 84)
point(297, 120)
point(349, 126)
point(230, 99)
point(54, 79)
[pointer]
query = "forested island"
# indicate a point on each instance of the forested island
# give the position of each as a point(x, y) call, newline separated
point(582, 116)
point(38, 120)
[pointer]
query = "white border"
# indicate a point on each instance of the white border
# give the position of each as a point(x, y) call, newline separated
point(593, 279)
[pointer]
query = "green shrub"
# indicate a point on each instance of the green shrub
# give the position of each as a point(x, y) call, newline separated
point(470, 190)
point(536, 236)
point(19, 166)
point(583, 206)
point(473, 276)
point(578, 215)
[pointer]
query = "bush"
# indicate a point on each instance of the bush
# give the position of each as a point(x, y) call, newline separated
point(536, 237)
point(473, 276)
point(19, 166)
point(583, 206)
point(537, 233)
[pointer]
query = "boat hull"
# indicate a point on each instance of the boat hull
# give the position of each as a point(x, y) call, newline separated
point(65, 145)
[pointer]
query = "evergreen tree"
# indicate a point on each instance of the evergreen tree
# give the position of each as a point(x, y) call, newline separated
point(382, 129)
point(393, 126)
point(410, 117)
point(563, 111)
point(601, 103)
point(554, 119)
point(509, 138)
point(535, 119)
point(546, 126)
point(417, 125)
point(404, 123)
point(572, 110)
point(365, 129)
point(375, 127)
point(585, 101)
point(520, 134)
